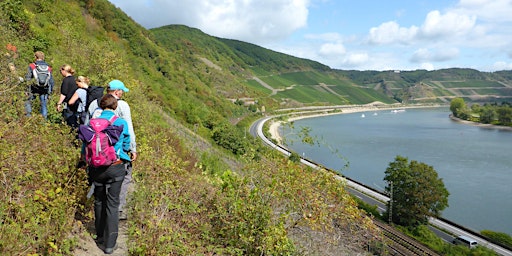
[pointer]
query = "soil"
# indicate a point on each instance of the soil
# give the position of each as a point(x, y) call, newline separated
point(87, 246)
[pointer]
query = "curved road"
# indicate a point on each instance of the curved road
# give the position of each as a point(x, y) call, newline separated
point(376, 198)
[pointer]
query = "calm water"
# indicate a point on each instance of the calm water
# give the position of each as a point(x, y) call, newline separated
point(474, 163)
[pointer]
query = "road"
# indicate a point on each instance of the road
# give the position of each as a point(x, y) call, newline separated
point(442, 229)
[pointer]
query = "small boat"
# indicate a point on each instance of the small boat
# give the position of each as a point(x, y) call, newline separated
point(362, 115)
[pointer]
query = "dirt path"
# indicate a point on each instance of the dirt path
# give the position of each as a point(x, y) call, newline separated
point(274, 91)
point(87, 246)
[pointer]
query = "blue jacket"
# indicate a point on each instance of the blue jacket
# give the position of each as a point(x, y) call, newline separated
point(123, 145)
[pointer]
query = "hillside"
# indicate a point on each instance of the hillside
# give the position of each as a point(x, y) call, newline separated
point(202, 186)
point(286, 80)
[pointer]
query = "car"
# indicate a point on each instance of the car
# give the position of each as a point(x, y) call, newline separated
point(466, 241)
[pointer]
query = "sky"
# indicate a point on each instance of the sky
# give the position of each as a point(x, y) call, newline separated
point(352, 35)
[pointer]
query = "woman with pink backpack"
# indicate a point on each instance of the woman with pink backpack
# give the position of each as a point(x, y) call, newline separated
point(106, 143)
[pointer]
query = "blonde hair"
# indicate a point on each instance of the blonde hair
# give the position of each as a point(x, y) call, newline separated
point(68, 69)
point(83, 79)
point(39, 55)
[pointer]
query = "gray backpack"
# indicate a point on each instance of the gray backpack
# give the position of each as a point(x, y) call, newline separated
point(41, 73)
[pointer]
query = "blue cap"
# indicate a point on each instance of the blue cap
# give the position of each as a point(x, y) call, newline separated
point(117, 85)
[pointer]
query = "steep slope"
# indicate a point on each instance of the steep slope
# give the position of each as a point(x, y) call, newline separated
point(270, 78)
point(202, 186)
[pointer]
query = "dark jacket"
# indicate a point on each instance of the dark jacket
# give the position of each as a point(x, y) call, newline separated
point(36, 89)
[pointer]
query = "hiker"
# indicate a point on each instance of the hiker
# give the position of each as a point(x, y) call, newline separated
point(13, 79)
point(67, 89)
point(117, 89)
point(14, 73)
point(79, 98)
point(108, 181)
point(42, 85)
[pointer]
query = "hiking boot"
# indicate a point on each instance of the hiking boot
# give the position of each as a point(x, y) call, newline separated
point(123, 215)
point(110, 250)
point(99, 240)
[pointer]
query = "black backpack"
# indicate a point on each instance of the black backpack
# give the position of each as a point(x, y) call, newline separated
point(93, 93)
point(41, 73)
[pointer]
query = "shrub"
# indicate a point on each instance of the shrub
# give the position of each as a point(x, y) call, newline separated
point(498, 237)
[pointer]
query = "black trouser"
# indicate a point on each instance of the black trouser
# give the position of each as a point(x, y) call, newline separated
point(70, 117)
point(107, 182)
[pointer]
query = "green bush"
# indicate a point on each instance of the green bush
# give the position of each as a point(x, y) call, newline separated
point(42, 190)
point(499, 237)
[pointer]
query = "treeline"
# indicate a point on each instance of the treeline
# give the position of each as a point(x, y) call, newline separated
point(421, 75)
point(489, 113)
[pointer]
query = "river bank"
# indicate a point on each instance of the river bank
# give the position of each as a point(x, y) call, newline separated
point(486, 126)
point(337, 110)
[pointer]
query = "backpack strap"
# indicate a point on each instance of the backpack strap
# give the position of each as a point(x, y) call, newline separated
point(112, 119)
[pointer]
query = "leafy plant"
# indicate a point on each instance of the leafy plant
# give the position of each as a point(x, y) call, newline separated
point(415, 192)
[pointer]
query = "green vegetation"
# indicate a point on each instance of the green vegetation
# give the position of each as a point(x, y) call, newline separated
point(486, 114)
point(416, 192)
point(498, 237)
point(423, 234)
point(422, 86)
point(203, 186)
point(310, 96)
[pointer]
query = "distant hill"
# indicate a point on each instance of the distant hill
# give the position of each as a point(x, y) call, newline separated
point(290, 80)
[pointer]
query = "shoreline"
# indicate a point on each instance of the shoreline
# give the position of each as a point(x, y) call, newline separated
point(484, 126)
point(275, 125)
point(348, 109)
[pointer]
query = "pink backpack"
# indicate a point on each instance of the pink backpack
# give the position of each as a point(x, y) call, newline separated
point(100, 136)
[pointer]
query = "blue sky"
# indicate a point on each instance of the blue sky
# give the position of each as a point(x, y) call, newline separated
point(355, 35)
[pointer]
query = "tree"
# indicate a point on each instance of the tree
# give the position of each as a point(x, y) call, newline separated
point(488, 115)
point(505, 115)
point(458, 106)
point(416, 192)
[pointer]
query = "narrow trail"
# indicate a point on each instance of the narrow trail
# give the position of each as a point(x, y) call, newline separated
point(87, 246)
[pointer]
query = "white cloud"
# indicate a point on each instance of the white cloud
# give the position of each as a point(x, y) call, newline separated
point(427, 66)
point(482, 28)
point(332, 50)
point(439, 55)
point(436, 26)
point(355, 59)
point(501, 65)
point(488, 10)
point(447, 25)
point(391, 32)
point(249, 20)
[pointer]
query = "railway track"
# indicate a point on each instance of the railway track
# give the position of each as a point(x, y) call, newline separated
point(401, 244)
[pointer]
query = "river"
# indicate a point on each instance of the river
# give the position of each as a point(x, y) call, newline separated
point(475, 163)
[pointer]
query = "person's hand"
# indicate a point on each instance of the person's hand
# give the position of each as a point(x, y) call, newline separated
point(59, 107)
point(133, 156)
